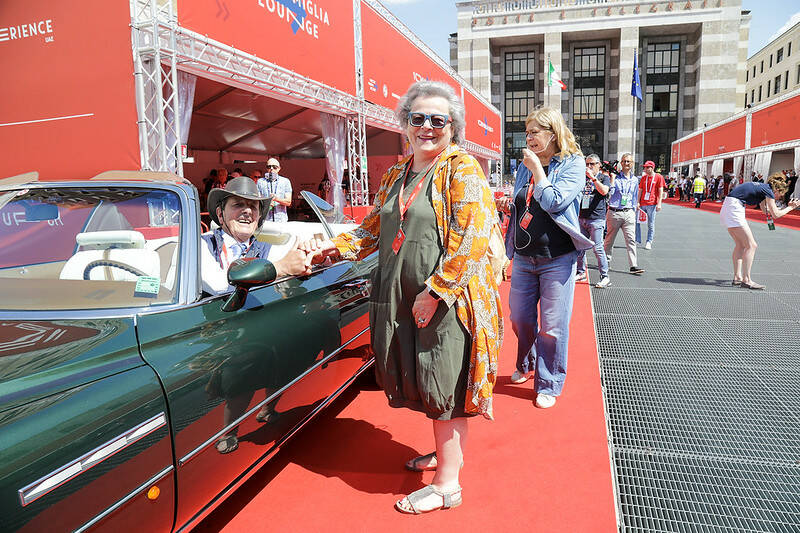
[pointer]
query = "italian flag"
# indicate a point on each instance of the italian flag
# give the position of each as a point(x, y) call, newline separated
point(553, 77)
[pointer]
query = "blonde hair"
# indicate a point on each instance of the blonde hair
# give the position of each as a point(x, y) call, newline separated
point(549, 118)
point(778, 183)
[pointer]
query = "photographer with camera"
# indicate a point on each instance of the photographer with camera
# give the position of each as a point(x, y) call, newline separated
point(592, 219)
point(623, 199)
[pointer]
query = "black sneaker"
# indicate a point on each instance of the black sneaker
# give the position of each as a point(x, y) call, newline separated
point(637, 270)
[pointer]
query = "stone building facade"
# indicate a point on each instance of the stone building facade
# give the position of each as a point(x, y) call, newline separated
point(691, 57)
point(775, 69)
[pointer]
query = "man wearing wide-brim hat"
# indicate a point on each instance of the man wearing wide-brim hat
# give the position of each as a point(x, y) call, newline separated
point(238, 210)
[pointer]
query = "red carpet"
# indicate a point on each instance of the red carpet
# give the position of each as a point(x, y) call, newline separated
point(791, 220)
point(529, 470)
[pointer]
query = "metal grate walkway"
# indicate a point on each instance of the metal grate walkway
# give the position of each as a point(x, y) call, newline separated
point(702, 380)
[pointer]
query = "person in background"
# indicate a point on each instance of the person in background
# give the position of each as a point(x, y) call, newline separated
point(256, 175)
point(623, 198)
point(237, 173)
point(592, 219)
point(651, 188)
point(544, 239)
point(699, 189)
point(324, 189)
point(278, 189)
point(732, 216)
point(435, 310)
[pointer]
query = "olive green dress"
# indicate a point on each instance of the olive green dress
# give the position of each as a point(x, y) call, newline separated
point(424, 369)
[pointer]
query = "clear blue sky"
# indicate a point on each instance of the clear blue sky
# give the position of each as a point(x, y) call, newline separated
point(434, 20)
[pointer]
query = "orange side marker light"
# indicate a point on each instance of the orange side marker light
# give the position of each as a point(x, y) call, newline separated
point(153, 493)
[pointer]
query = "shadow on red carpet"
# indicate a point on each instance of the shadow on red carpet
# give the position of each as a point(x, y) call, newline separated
point(528, 470)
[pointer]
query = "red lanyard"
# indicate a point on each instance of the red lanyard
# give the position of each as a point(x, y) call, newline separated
point(530, 192)
point(404, 206)
point(652, 184)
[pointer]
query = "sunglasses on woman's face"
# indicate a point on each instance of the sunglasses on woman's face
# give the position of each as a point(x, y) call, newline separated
point(437, 121)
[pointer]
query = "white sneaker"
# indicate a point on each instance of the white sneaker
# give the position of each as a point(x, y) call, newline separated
point(608, 258)
point(648, 245)
point(518, 377)
point(603, 283)
point(545, 401)
point(580, 277)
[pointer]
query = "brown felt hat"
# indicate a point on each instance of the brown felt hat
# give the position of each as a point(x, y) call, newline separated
point(243, 187)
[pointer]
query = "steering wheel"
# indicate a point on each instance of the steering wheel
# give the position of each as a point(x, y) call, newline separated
point(110, 263)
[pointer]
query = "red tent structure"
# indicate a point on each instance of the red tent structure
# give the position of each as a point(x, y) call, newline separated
point(187, 86)
point(761, 139)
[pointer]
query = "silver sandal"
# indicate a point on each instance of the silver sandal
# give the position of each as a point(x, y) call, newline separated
point(449, 499)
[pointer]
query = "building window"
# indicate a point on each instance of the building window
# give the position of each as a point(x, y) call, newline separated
point(589, 62)
point(589, 103)
point(759, 93)
point(769, 86)
point(663, 58)
point(752, 96)
point(745, 99)
point(661, 100)
point(789, 49)
point(518, 104)
point(519, 66)
point(770, 61)
point(754, 71)
point(786, 80)
point(777, 84)
point(798, 74)
point(779, 56)
point(762, 67)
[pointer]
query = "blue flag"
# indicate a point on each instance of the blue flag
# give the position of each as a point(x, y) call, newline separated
point(636, 85)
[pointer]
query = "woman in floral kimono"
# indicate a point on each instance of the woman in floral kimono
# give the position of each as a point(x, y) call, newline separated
point(435, 312)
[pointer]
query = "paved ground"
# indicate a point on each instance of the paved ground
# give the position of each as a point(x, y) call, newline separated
point(702, 380)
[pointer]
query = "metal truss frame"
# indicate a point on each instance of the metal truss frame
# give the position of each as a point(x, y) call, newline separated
point(161, 47)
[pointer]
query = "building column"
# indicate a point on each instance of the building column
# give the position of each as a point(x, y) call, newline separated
point(474, 64)
point(628, 44)
point(552, 49)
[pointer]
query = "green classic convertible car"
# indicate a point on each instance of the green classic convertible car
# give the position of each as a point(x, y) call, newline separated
point(129, 398)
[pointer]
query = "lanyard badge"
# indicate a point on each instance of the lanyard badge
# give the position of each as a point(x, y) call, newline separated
point(525, 221)
point(403, 207)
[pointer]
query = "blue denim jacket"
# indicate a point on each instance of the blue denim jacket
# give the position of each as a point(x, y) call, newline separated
point(559, 195)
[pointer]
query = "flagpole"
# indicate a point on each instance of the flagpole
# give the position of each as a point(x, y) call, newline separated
point(547, 81)
point(633, 129)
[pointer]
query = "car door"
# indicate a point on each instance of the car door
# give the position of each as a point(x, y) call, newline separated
point(84, 429)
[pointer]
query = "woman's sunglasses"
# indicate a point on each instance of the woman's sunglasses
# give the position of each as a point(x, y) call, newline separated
point(437, 121)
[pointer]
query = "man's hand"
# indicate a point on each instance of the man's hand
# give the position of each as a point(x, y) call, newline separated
point(318, 250)
point(530, 160)
point(423, 309)
point(294, 263)
point(658, 207)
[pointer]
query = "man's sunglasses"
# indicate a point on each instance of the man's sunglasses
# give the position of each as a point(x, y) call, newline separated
point(273, 166)
point(437, 121)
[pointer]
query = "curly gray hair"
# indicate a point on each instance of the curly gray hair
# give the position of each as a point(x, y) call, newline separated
point(434, 88)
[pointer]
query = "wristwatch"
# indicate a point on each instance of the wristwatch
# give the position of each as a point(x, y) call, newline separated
point(434, 295)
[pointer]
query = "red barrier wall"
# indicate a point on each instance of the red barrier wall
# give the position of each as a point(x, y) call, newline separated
point(68, 108)
point(775, 124)
point(314, 39)
point(692, 148)
point(726, 138)
point(392, 63)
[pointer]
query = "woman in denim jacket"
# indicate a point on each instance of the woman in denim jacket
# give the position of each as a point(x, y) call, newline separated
point(543, 239)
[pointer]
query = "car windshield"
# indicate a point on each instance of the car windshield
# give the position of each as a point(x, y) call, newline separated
point(88, 248)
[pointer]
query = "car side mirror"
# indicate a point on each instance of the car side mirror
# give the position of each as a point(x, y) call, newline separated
point(244, 274)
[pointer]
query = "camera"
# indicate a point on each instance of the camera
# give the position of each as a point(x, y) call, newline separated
point(611, 167)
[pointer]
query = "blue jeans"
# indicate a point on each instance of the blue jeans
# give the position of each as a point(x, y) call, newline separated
point(594, 228)
point(548, 284)
point(651, 223)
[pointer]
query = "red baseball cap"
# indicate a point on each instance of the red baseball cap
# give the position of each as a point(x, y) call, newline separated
point(650, 164)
